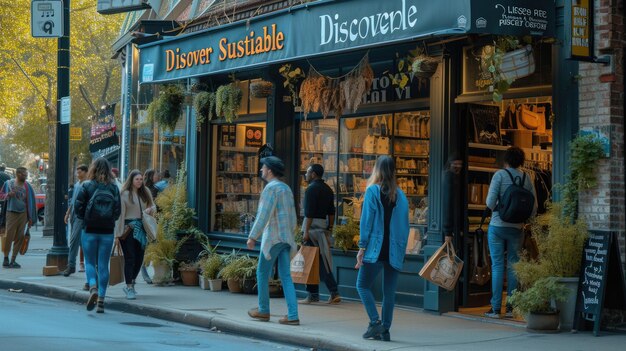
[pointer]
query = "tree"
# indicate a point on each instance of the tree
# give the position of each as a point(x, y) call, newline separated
point(28, 80)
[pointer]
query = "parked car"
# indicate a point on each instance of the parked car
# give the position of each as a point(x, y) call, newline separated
point(40, 203)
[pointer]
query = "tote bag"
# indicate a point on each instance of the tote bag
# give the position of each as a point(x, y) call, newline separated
point(116, 265)
point(443, 268)
point(305, 266)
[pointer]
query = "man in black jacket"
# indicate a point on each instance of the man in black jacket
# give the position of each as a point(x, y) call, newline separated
point(452, 196)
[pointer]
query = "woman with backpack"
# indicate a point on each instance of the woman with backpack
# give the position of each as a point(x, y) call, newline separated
point(136, 200)
point(384, 232)
point(98, 206)
point(513, 201)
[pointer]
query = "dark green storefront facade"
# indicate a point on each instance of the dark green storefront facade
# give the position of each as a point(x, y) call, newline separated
point(333, 36)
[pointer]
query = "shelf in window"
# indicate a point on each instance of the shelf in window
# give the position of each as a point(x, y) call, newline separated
point(411, 155)
point(399, 174)
point(236, 172)
point(360, 153)
point(237, 194)
point(476, 207)
point(482, 169)
point(488, 146)
point(410, 137)
point(239, 149)
point(318, 152)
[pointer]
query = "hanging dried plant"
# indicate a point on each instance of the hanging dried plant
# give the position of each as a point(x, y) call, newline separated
point(326, 98)
point(338, 100)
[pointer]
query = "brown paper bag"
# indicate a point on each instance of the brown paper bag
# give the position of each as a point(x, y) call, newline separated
point(443, 268)
point(116, 265)
point(305, 266)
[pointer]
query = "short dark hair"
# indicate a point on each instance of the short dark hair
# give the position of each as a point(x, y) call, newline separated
point(317, 169)
point(166, 173)
point(21, 170)
point(83, 168)
point(514, 157)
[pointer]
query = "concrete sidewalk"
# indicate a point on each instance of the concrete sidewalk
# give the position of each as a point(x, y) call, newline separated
point(336, 327)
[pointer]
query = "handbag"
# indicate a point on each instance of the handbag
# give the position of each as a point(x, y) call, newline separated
point(25, 243)
point(149, 224)
point(443, 268)
point(116, 265)
point(305, 266)
point(481, 270)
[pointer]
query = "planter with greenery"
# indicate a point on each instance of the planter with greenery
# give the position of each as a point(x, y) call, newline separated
point(204, 105)
point(228, 101)
point(261, 89)
point(162, 255)
point(211, 266)
point(189, 273)
point(346, 235)
point(167, 108)
point(231, 273)
point(248, 273)
point(537, 303)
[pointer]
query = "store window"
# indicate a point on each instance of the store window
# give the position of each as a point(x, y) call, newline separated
point(235, 176)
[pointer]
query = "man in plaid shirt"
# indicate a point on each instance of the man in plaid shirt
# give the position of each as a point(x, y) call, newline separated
point(275, 224)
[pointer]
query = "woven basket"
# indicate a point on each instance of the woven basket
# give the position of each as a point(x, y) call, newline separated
point(261, 89)
point(426, 69)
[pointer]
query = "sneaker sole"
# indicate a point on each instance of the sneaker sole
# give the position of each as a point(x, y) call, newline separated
point(91, 303)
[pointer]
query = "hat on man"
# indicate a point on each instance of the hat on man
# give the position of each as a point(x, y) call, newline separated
point(275, 164)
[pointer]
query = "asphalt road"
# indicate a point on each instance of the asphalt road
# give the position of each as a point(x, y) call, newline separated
point(32, 323)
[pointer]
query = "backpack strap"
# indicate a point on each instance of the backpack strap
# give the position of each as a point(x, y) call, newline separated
point(513, 179)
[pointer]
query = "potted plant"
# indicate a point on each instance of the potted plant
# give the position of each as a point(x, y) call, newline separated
point(167, 108)
point(162, 255)
point(248, 273)
point(261, 89)
point(211, 266)
point(346, 235)
point(204, 105)
point(189, 273)
point(227, 101)
point(231, 272)
point(537, 304)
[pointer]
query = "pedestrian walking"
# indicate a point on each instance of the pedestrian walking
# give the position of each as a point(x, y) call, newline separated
point(319, 216)
point(452, 220)
point(136, 199)
point(275, 225)
point(384, 232)
point(503, 235)
point(20, 213)
point(163, 183)
point(150, 178)
point(4, 176)
point(75, 223)
point(98, 206)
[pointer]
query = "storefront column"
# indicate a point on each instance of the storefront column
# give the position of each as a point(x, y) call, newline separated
point(281, 133)
point(435, 298)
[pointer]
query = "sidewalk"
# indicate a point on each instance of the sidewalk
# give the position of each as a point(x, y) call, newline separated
point(336, 327)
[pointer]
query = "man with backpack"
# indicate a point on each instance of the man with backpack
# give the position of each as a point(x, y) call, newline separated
point(513, 200)
point(20, 212)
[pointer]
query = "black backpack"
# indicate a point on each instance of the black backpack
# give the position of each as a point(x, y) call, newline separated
point(517, 203)
point(100, 208)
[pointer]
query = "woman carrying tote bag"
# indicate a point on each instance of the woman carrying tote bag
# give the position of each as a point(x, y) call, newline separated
point(136, 200)
point(98, 206)
point(383, 238)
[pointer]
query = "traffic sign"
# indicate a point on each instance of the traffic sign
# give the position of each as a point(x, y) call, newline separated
point(46, 20)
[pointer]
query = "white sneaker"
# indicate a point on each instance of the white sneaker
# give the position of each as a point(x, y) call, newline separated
point(130, 293)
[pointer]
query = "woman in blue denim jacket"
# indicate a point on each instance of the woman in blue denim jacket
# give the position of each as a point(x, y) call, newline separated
point(382, 244)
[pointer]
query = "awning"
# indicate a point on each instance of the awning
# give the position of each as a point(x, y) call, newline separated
point(326, 27)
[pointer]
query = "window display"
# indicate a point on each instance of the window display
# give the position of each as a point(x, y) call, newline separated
point(236, 182)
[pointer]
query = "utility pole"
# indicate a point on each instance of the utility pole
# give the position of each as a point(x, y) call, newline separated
point(57, 256)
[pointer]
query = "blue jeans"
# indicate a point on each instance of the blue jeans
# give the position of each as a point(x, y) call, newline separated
point(75, 240)
point(364, 281)
point(97, 250)
point(280, 253)
point(498, 238)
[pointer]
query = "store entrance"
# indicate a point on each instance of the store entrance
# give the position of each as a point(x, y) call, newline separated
point(491, 129)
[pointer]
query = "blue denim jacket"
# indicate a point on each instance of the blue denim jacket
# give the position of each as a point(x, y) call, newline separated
point(372, 227)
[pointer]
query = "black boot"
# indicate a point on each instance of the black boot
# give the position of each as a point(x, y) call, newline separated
point(374, 329)
point(69, 271)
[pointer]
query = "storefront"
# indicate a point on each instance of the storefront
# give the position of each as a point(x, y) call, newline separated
point(418, 121)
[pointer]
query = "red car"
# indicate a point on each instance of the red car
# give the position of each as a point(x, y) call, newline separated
point(40, 202)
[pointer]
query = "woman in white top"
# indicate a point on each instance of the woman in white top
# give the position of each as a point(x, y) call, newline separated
point(135, 199)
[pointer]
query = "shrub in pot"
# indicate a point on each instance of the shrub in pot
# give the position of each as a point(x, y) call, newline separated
point(248, 272)
point(211, 266)
point(189, 273)
point(537, 303)
point(231, 273)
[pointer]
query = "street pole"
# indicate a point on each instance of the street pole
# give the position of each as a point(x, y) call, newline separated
point(57, 256)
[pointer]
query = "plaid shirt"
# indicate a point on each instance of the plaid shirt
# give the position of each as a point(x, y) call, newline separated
point(276, 218)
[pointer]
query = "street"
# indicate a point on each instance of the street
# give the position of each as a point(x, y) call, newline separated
point(34, 323)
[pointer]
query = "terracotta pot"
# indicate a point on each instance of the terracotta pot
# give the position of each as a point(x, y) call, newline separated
point(162, 273)
point(547, 322)
point(234, 285)
point(189, 278)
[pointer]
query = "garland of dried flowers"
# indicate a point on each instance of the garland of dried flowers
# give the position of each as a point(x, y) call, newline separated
point(320, 93)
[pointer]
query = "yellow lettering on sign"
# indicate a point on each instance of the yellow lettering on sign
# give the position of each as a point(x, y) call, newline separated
point(581, 43)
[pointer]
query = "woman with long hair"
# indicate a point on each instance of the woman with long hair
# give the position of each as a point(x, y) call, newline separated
point(136, 199)
point(98, 206)
point(150, 177)
point(384, 233)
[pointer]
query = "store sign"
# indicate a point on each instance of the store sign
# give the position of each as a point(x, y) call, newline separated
point(76, 133)
point(254, 136)
point(309, 30)
point(103, 129)
point(107, 7)
point(513, 17)
point(581, 31)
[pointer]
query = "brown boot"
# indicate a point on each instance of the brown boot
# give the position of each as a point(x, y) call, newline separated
point(254, 313)
point(285, 320)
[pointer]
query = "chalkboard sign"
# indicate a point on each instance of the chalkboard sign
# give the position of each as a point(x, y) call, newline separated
point(601, 283)
point(486, 124)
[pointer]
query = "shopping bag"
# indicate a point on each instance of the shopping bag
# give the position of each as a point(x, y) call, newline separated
point(150, 226)
point(116, 265)
point(443, 268)
point(305, 266)
point(481, 269)
point(25, 243)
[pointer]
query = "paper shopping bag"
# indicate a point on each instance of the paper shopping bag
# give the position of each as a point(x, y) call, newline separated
point(305, 266)
point(443, 268)
point(116, 265)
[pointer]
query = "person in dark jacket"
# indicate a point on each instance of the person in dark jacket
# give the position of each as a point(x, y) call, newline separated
point(97, 239)
point(150, 178)
point(384, 233)
point(452, 190)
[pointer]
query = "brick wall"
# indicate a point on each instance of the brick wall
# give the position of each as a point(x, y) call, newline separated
point(602, 104)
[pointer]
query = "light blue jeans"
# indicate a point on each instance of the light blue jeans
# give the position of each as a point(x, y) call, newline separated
point(499, 238)
point(280, 253)
point(97, 250)
point(364, 281)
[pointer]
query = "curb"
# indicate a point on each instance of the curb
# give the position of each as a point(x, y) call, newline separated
point(304, 339)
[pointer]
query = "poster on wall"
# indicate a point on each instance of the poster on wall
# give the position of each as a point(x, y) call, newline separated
point(486, 123)
point(580, 14)
point(103, 131)
point(229, 135)
point(254, 136)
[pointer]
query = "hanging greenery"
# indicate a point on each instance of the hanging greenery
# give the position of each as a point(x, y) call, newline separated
point(204, 105)
point(261, 89)
point(292, 77)
point(228, 101)
point(167, 108)
point(417, 63)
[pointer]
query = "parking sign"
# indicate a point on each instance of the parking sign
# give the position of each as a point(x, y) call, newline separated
point(46, 18)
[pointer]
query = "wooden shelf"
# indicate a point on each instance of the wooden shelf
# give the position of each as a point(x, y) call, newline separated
point(236, 149)
point(411, 155)
point(488, 146)
point(476, 207)
point(319, 152)
point(482, 169)
point(410, 137)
